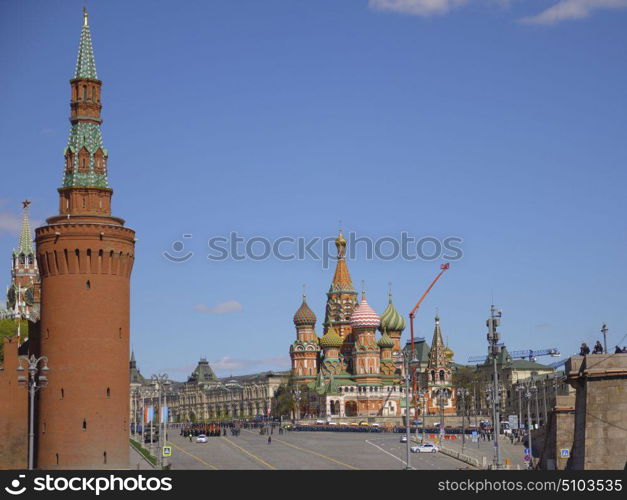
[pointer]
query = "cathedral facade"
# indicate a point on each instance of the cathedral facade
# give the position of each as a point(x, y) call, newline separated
point(351, 371)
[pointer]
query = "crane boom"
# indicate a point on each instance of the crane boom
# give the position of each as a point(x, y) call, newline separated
point(412, 314)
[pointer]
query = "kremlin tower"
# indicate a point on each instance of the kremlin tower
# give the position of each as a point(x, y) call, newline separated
point(24, 293)
point(85, 258)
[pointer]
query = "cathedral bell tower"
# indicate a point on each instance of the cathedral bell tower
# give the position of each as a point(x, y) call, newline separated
point(85, 259)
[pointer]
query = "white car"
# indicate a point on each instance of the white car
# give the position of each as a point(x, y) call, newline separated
point(201, 438)
point(320, 421)
point(424, 448)
point(403, 438)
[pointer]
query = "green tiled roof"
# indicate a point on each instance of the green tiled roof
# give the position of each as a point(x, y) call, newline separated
point(85, 63)
point(25, 245)
point(88, 136)
point(524, 364)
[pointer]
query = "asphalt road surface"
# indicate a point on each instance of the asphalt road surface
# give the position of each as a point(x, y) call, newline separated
point(302, 450)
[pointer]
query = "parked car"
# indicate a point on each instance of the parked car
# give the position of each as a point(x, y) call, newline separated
point(376, 425)
point(424, 448)
point(202, 438)
point(320, 421)
point(403, 438)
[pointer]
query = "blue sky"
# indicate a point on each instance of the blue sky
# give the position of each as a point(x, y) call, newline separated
point(502, 123)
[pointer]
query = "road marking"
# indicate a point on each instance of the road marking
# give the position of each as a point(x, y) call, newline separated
point(318, 454)
point(260, 460)
point(388, 453)
point(194, 456)
point(314, 453)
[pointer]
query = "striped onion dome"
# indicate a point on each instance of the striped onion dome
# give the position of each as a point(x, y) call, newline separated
point(364, 316)
point(331, 339)
point(304, 316)
point(385, 342)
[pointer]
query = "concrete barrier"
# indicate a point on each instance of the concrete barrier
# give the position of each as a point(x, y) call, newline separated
point(457, 455)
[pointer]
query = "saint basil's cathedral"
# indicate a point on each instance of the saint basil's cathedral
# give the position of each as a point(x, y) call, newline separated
point(349, 372)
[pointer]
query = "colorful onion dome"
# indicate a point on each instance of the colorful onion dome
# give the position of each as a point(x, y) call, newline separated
point(331, 339)
point(448, 352)
point(391, 319)
point(385, 342)
point(304, 316)
point(364, 316)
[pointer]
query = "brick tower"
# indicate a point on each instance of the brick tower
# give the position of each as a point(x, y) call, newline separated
point(23, 296)
point(85, 259)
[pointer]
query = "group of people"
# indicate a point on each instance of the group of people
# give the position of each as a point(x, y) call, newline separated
point(584, 350)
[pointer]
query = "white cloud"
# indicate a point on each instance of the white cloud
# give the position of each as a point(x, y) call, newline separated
point(224, 308)
point(416, 7)
point(573, 9)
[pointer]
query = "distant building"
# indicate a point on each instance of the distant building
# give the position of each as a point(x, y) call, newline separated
point(205, 397)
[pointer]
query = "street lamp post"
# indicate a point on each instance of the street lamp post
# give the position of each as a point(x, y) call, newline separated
point(409, 363)
point(162, 384)
point(462, 392)
point(494, 349)
point(36, 379)
point(604, 332)
point(527, 391)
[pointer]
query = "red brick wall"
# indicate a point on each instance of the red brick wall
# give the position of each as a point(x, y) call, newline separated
point(13, 412)
point(85, 272)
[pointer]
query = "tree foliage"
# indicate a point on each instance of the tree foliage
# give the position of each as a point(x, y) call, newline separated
point(8, 328)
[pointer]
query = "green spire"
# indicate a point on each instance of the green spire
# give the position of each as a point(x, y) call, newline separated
point(85, 135)
point(25, 245)
point(85, 63)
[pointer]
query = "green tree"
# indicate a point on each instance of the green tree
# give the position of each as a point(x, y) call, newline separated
point(8, 328)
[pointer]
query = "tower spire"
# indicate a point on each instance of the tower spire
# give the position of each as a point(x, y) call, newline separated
point(85, 62)
point(85, 154)
point(25, 244)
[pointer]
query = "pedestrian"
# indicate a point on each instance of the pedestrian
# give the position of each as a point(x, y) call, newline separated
point(617, 350)
point(584, 350)
point(190, 437)
point(598, 348)
point(269, 439)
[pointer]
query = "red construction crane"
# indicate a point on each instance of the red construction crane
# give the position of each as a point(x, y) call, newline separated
point(412, 315)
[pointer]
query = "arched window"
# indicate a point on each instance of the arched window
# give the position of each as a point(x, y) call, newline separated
point(442, 376)
point(84, 92)
point(84, 424)
point(108, 392)
point(433, 375)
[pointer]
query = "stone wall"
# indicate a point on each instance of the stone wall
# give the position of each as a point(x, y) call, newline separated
point(13, 412)
point(600, 433)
